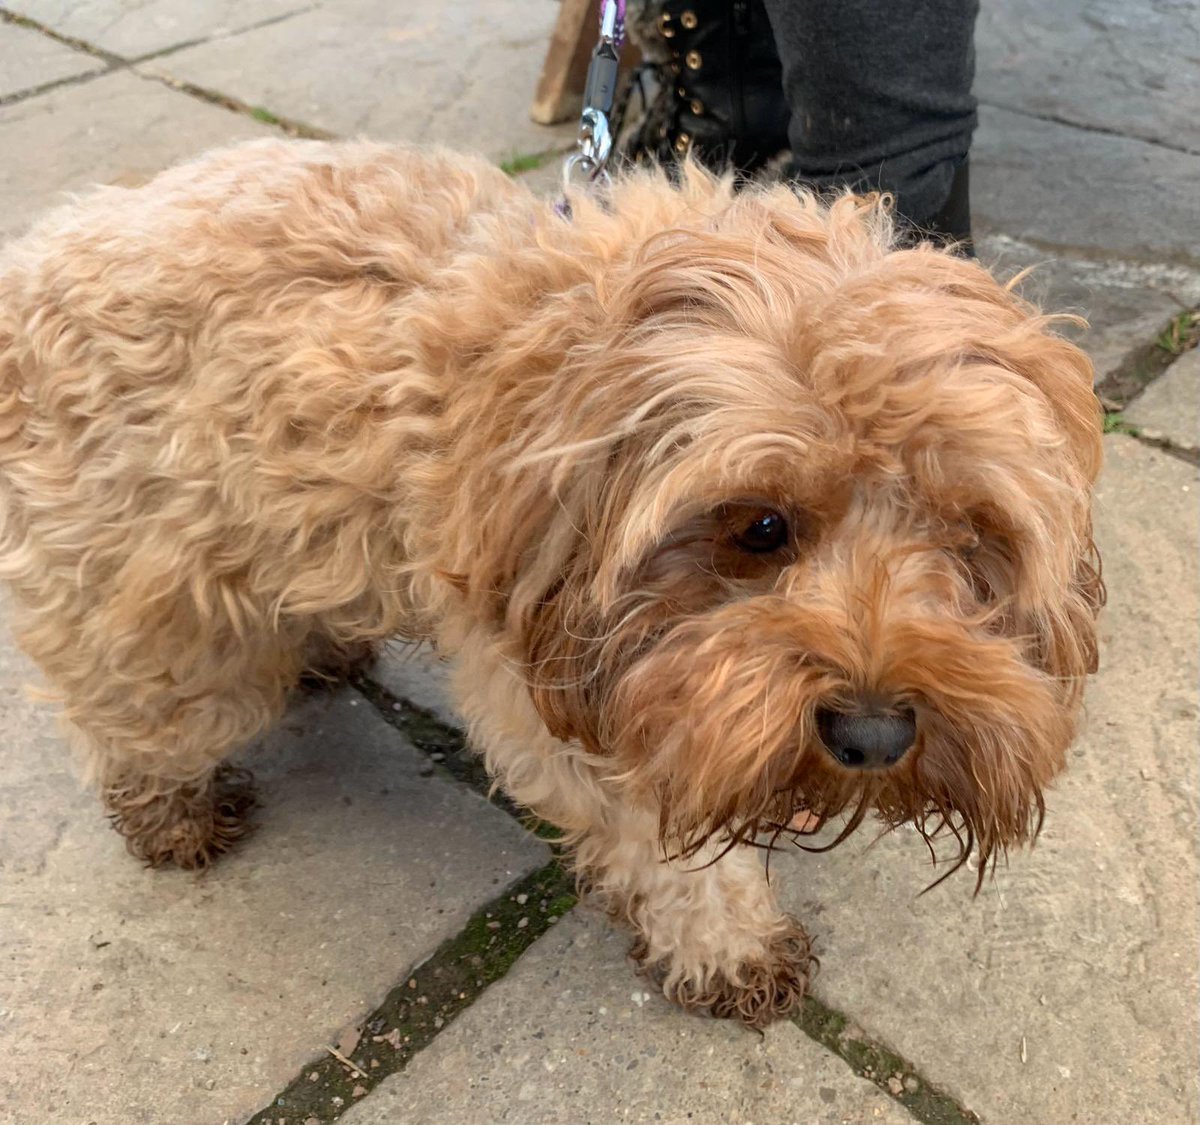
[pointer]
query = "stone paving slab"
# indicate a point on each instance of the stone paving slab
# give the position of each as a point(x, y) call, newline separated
point(132, 28)
point(415, 673)
point(1107, 64)
point(29, 59)
point(118, 128)
point(149, 996)
point(572, 1034)
point(1111, 196)
point(460, 74)
point(1067, 991)
point(1170, 406)
point(1126, 304)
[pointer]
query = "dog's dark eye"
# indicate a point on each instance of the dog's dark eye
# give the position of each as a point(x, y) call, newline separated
point(767, 532)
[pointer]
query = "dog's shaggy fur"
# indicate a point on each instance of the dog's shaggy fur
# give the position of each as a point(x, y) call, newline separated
point(299, 397)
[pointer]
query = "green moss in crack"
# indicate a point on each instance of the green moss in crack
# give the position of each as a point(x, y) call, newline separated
point(880, 1065)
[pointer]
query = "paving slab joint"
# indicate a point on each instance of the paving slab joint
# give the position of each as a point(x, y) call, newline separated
point(57, 84)
point(1114, 423)
point(7, 15)
point(1149, 360)
point(292, 127)
point(111, 62)
point(1058, 119)
point(891, 1072)
point(288, 125)
point(1144, 365)
point(427, 1000)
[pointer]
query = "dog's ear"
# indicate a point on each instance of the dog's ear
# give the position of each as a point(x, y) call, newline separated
point(558, 637)
point(1067, 645)
point(1064, 374)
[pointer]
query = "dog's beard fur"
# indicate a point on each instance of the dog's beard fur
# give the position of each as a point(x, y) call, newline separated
point(936, 475)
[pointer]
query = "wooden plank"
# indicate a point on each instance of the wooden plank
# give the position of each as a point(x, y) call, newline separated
point(559, 95)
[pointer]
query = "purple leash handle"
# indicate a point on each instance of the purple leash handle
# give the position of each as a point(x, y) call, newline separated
point(617, 31)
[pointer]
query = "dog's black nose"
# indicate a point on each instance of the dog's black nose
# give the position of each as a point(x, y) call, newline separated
point(868, 739)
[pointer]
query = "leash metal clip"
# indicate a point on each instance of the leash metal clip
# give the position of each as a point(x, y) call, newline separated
point(595, 133)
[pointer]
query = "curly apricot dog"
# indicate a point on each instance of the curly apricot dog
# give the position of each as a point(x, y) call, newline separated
point(727, 507)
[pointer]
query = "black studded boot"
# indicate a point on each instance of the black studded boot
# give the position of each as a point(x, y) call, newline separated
point(712, 86)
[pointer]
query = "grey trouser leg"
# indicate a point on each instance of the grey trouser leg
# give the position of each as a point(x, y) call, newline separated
point(880, 94)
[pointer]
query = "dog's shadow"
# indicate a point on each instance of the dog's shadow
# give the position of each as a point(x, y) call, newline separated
point(334, 780)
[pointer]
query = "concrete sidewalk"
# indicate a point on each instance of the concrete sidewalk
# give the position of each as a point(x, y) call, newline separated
point(385, 910)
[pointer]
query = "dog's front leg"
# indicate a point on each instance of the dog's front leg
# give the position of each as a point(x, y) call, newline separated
point(708, 927)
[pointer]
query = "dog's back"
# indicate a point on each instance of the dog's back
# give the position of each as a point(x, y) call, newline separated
point(186, 372)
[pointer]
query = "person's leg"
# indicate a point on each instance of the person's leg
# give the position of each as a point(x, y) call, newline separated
point(880, 98)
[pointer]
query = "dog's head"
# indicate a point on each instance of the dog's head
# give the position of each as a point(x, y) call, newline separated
point(814, 527)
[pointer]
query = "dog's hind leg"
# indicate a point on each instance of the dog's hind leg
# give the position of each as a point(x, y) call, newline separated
point(328, 662)
point(160, 750)
point(161, 767)
point(155, 704)
point(187, 823)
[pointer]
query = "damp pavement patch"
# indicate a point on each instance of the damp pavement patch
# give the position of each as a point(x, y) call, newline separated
point(1082, 192)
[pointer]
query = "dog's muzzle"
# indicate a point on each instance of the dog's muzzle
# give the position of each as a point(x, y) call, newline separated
point(869, 739)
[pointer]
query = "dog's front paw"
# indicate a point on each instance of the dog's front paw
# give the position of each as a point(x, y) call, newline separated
point(761, 992)
point(756, 992)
